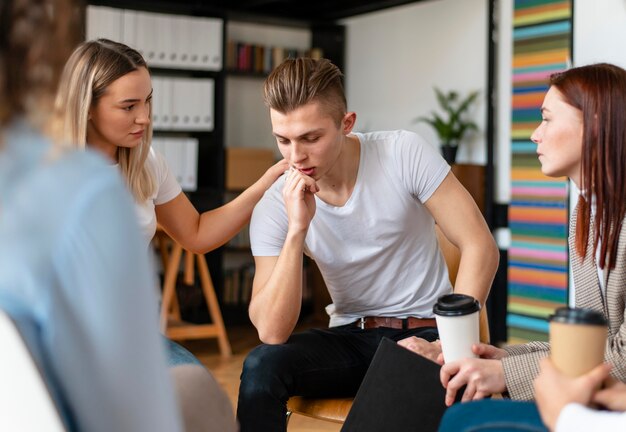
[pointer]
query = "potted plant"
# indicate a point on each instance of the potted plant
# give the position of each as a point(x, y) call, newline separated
point(451, 127)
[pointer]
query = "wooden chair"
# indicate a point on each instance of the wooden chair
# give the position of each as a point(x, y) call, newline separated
point(171, 323)
point(336, 409)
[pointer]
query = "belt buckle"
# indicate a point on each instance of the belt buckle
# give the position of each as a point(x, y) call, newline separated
point(362, 323)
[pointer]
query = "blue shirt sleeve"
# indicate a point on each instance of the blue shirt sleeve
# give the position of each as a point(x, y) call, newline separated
point(108, 349)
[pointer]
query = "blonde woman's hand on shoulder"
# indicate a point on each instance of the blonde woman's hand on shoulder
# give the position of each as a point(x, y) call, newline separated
point(273, 173)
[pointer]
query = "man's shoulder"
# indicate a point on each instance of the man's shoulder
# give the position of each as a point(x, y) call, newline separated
point(393, 142)
point(380, 137)
point(272, 199)
point(275, 191)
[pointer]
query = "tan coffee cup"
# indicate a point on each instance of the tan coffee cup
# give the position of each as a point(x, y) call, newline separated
point(577, 340)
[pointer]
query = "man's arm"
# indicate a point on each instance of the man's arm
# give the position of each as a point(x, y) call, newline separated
point(277, 294)
point(462, 223)
point(277, 287)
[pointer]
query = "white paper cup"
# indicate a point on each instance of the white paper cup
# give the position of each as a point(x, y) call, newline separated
point(458, 325)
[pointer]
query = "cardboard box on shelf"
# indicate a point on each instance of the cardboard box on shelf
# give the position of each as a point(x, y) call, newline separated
point(246, 165)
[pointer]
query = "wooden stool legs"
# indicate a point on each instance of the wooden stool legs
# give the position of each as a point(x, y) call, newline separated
point(170, 323)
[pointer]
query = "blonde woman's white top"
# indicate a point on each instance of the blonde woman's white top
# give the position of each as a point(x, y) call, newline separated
point(167, 188)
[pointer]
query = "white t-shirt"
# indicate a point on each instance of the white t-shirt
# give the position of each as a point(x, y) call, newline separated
point(378, 253)
point(166, 189)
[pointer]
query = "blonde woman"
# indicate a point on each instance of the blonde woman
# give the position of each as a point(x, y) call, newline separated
point(105, 99)
point(104, 103)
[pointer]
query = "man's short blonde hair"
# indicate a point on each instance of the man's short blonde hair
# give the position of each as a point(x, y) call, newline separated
point(297, 82)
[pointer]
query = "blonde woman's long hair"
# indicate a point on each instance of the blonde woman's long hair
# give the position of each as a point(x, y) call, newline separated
point(91, 68)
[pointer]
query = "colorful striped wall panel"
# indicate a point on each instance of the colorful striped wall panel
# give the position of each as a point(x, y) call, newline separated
point(538, 213)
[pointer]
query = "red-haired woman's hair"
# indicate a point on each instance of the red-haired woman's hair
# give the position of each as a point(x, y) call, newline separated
point(599, 92)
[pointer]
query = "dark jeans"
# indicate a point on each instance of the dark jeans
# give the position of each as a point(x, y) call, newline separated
point(315, 363)
point(492, 415)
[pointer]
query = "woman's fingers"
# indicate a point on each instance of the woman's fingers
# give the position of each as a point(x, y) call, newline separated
point(470, 391)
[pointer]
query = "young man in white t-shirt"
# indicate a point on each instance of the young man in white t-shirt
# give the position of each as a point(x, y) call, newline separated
point(363, 206)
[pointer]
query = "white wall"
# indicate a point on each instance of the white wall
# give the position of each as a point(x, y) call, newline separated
point(396, 56)
point(502, 122)
point(600, 32)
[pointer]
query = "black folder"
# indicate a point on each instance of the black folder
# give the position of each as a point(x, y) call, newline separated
point(401, 391)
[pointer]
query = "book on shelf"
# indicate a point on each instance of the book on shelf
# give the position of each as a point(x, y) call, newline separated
point(238, 285)
point(241, 240)
point(261, 59)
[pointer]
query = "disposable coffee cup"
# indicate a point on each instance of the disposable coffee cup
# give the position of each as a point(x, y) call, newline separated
point(577, 340)
point(457, 322)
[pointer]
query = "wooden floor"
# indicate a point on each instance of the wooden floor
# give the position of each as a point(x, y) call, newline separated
point(243, 339)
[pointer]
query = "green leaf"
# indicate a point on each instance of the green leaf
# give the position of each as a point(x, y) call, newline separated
point(451, 127)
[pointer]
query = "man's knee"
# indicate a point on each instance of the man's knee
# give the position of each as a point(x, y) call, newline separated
point(265, 367)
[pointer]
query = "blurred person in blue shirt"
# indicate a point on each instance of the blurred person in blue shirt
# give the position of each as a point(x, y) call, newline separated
point(70, 248)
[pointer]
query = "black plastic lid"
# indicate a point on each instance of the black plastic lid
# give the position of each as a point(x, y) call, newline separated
point(456, 305)
point(577, 316)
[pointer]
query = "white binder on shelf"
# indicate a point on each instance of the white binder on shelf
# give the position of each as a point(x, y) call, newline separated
point(192, 104)
point(184, 37)
point(209, 42)
point(92, 24)
point(171, 43)
point(176, 150)
point(158, 145)
point(195, 47)
point(157, 103)
point(162, 40)
point(184, 42)
point(166, 100)
point(129, 28)
point(190, 174)
point(182, 98)
point(204, 96)
point(104, 22)
point(145, 36)
point(171, 151)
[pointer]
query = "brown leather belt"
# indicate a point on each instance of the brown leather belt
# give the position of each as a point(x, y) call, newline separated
point(395, 323)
